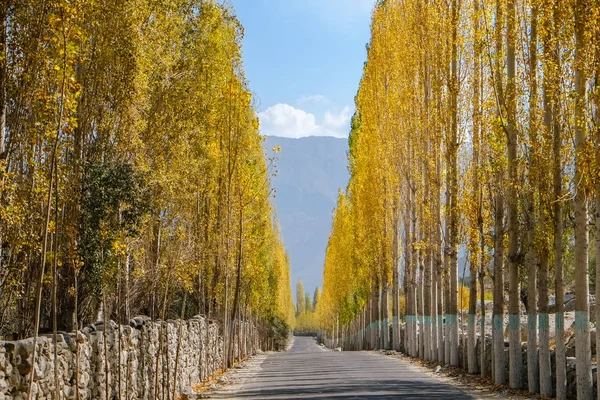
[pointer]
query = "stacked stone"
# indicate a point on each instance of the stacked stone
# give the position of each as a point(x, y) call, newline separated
point(101, 361)
point(5, 371)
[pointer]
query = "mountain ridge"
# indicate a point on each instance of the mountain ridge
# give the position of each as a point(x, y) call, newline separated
point(310, 173)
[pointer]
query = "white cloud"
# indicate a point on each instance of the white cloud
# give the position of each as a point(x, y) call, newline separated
point(338, 120)
point(317, 98)
point(288, 121)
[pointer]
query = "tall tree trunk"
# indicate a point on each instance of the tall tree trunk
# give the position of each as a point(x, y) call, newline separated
point(533, 382)
point(336, 330)
point(453, 167)
point(597, 305)
point(582, 317)
point(441, 343)
point(474, 240)
point(375, 316)
point(226, 321)
point(597, 189)
point(427, 303)
point(482, 361)
point(544, 322)
point(552, 117)
point(561, 358)
point(428, 296)
point(414, 276)
point(238, 276)
point(395, 284)
point(471, 335)
point(434, 255)
point(369, 322)
point(362, 344)
point(385, 334)
point(419, 287)
point(433, 300)
point(438, 259)
point(447, 265)
point(498, 308)
point(514, 315)
point(447, 317)
point(545, 366)
point(409, 295)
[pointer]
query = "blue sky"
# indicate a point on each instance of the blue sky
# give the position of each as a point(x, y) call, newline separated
point(304, 60)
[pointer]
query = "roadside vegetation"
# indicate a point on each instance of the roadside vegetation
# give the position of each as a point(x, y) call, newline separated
point(133, 175)
point(475, 142)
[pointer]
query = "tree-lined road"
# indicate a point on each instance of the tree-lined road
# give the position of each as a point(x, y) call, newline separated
point(309, 372)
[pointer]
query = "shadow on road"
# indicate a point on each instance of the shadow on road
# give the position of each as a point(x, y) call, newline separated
point(309, 372)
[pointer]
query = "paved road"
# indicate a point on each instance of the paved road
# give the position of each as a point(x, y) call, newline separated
point(309, 372)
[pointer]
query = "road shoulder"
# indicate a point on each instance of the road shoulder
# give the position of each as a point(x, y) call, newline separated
point(473, 385)
point(232, 381)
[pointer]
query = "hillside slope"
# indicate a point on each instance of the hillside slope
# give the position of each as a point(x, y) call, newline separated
point(310, 173)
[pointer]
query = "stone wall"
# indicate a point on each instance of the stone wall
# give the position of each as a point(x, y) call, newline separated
point(131, 360)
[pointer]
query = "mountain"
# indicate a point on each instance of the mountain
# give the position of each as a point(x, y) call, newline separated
point(310, 172)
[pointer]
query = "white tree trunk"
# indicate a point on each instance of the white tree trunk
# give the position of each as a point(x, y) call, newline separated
point(440, 318)
point(385, 317)
point(498, 316)
point(438, 260)
point(420, 308)
point(532, 353)
point(427, 306)
point(514, 318)
point(582, 317)
point(597, 306)
point(395, 285)
point(453, 189)
point(545, 366)
point(533, 376)
point(433, 318)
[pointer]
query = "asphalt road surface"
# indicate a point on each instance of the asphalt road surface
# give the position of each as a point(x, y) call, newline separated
point(307, 371)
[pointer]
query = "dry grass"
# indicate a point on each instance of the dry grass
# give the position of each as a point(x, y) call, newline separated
point(205, 386)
